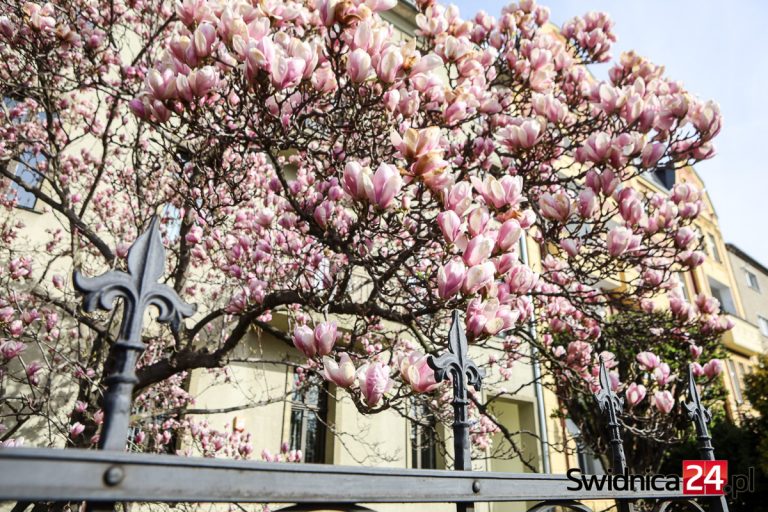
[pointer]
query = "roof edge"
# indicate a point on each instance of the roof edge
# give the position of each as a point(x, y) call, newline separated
point(743, 255)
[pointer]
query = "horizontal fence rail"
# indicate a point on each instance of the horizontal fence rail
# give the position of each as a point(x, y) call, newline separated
point(41, 474)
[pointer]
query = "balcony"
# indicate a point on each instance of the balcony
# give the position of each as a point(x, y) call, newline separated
point(743, 338)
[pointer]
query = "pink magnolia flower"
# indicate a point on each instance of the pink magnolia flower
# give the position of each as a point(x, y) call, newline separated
point(418, 143)
point(652, 153)
point(6, 313)
point(162, 84)
point(450, 225)
point(619, 239)
point(695, 351)
point(359, 65)
point(342, 373)
point(202, 81)
point(32, 371)
point(479, 276)
point(505, 262)
point(420, 376)
point(630, 206)
point(386, 183)
point(203, 39)
point(587, 205)
point(450, 277)
point(325, 335)
point(548, 106)
point(380, 5)
point(390, 64)
point(662, 375)
point(122, 249)
point(286, 72)
point(596, 148)
point(58, 281)
point(556, 206)
point(459, 198)
point(523, 135)
point(40, 18)
point(713, 368)
point(697, 369)
point(605, 181)
point(571, 246)
point(426, 63)
point(648, 360)
point(353, 180)
point(323, 213)
point(374, 382)
point(76, 429)
point(7, 28)
point(194, 235)
point(509, 234)
point(304, 340)
point(707, 305)
point(635, 394)
point(16, 328)
point(478, 250)
point(521, 279)
point(478, 220)
point(663, 401)
point(684, 237)
point(10, 349)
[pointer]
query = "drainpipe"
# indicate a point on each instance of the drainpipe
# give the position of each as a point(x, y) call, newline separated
point(538, 388)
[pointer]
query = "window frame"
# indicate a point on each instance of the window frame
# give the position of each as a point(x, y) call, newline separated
point(422, 438)
point(712, 243)
point(762, 325)
point(305, 410)
point(735, 381)
point(752, 280)
point(25, 167)
point(31, 177)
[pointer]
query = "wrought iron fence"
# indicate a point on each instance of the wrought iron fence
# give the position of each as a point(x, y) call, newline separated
point(109, 475)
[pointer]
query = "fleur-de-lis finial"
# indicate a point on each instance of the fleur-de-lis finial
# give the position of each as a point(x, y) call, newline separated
point(139, 289)
point(464, 372)
point(700, 416)
point(611, 405)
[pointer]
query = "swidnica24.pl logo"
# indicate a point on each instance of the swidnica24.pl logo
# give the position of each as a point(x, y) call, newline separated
point(699, 477)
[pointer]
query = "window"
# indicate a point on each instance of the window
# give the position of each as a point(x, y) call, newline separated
point(172, 216)
point(27, 171)
point(423, 439)
point(762, 323)
point(309, 414)
point(723, 294)
point(26, 168)
point(665, 177)
point(713, 248)
point(735, 381)
point(682, 286)
point(752, 281)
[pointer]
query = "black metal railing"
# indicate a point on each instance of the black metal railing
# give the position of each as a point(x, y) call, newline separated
point(108, 475)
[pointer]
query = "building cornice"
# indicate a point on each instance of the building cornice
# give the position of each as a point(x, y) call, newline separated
point(746, 257)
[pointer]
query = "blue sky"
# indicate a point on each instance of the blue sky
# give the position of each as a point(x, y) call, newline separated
point(719, 50)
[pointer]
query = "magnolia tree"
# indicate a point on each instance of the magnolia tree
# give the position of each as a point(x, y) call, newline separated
point(316, 171)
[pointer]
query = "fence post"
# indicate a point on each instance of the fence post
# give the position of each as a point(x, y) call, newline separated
point(610, 405)
point(138, 288)
point(700, 416)
point(464, 372)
